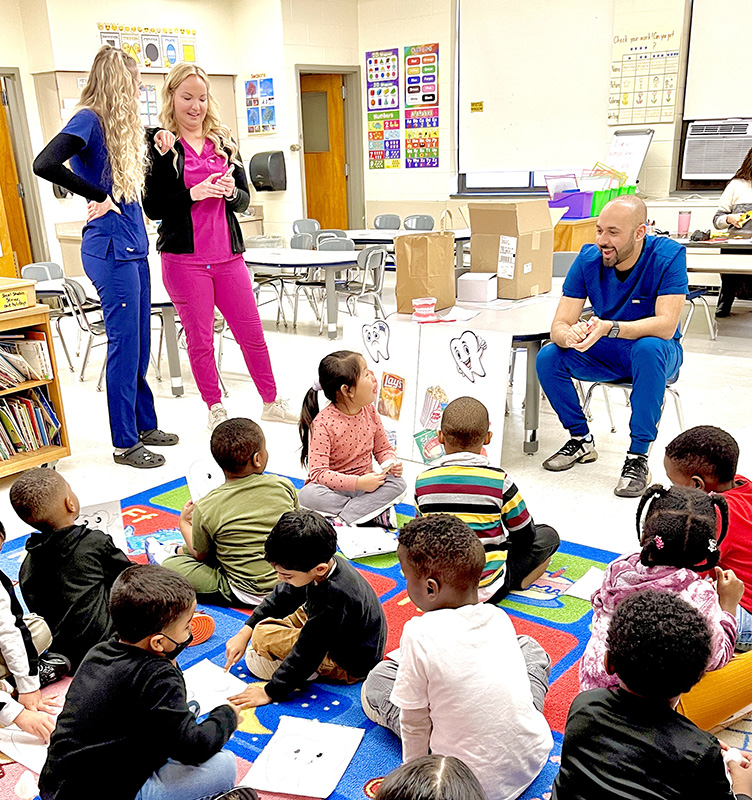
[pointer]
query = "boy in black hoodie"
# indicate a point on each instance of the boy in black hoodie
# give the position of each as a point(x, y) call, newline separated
point(69, 570)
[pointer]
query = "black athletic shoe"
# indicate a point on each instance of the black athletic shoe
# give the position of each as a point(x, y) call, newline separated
point(52, 667)
point(635, 476)
point(238, 793)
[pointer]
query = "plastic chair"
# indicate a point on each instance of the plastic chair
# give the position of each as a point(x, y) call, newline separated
point(699, 293)
point(328, 233)
point(336, 244)
point(419, 222)
point(82, 307)
point(387, 222)
point(301, 241)
point(368, 284)
point(562, 262)
point(49, 271)
point(306, 226)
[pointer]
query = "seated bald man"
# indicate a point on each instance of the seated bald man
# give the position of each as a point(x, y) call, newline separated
point(637, 286)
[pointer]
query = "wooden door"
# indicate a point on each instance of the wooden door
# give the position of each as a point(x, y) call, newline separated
point(10, 186)
point(324, 149)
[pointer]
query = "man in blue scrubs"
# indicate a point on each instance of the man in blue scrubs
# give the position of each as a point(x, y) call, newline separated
point(637, 287)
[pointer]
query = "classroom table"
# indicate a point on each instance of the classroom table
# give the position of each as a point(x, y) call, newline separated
point(330, 261)
point(369, 236)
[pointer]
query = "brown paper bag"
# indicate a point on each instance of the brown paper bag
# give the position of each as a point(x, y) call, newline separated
point(425, 268)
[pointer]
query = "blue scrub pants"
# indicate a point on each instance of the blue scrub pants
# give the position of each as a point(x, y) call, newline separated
point(648, 363)
point(124, 289)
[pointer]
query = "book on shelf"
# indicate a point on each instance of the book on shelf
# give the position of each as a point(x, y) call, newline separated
point(27, 422)
point(24, 357)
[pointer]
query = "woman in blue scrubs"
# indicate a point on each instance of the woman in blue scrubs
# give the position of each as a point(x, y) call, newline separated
point(106, 145)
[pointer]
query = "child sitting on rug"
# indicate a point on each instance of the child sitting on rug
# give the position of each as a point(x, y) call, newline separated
point(69, 569)
point(431, 777)
point(322, 619)
point(705, 458)
point(23, 642)
point(462, 686)
point(341, 442)
point(679, 538)
point(225, 531)
point(125, 724)
point(463, 483)
point(628, 741)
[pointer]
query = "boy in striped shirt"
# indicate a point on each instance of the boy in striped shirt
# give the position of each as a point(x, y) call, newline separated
point(485, 497)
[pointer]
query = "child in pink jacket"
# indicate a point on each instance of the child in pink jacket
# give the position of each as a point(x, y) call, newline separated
point(679, 540)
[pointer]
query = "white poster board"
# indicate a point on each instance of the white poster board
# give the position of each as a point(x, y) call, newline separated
point(108, 518)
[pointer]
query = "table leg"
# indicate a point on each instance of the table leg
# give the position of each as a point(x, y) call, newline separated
point(331, 303)
point(532, 399)
point(171, 346)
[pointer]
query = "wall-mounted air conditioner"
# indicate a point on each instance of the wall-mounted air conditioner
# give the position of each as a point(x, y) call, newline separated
point(715, 149)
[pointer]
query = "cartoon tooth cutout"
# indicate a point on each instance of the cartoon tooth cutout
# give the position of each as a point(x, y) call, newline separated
point(467, 352)
point(376, 340)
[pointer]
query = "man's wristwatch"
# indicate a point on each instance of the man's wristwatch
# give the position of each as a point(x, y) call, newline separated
point(614, 332)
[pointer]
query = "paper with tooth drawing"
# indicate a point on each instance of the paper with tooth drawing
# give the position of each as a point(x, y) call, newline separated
point(28, 750)
point(356, 542)
point(584, 587)
point(304, 757)
point(210, 686)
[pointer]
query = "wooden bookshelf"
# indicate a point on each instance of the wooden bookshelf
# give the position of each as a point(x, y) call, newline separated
point(36, 318)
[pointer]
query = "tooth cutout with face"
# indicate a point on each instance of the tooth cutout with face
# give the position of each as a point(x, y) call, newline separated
point(376, 340)
point(467, 352)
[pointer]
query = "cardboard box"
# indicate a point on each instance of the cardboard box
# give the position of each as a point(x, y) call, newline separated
point(476, 287)
point(515, 240)
point(16, 293)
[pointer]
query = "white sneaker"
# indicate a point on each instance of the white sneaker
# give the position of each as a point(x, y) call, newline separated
point(279, 411)
point(217, 414)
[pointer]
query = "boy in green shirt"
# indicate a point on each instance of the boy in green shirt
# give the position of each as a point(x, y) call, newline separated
point(225, 531)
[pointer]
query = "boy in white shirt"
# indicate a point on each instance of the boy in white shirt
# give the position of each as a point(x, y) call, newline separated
point(462, 687)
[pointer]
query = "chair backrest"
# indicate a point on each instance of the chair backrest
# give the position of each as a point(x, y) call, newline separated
point(42, 271)
point(76, 295)
point(336, 244)
point(372, 266)
point(302, 241)
point(419, 222)
point(328, 233)
point(562, 262)
point(387, 222)
point(306, 226)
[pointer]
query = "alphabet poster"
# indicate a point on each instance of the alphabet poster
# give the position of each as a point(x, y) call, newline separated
point(382, 91)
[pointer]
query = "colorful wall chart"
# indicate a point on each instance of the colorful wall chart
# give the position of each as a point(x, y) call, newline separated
point(644, 75)
point(382, 91)
point(422, 106)
point(259, 104)
point(154, 49)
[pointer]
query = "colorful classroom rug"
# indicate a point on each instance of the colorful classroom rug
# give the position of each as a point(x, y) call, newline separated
point(559, 622)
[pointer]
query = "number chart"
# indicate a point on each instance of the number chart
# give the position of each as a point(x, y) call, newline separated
point(422, 106)
point(382, 91)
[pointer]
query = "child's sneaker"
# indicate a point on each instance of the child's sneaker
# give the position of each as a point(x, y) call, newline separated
point(238, 793)
point(202, 628)
point(52, 667)
point(158, 553)
point(387, 519)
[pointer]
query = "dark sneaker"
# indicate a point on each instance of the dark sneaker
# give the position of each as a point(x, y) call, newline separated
point(574, 451)
point(635, 476)
point(52, 667)
point(238, 793)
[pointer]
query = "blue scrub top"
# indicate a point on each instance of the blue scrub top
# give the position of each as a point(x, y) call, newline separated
point(126, 231)
point(660, 270)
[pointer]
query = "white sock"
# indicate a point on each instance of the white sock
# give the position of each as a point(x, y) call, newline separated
point(120, 450)
point(588, 437)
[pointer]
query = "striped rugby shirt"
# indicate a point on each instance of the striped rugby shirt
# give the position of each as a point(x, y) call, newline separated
point(486, 498)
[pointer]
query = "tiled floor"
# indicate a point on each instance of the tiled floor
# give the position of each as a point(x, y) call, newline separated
point(715, 387)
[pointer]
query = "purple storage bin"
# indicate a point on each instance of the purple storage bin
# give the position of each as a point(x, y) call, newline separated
point(579, 204)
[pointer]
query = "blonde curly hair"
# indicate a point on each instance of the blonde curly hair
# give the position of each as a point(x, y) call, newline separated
point(111, 92)
point(213, 129)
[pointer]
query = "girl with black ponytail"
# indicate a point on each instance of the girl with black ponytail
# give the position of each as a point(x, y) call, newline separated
point(679, 530)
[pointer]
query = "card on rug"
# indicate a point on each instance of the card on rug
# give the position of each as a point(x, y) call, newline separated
point(304, 757)
point(210, 686)
point(585, 586)
point(23, 747)
point(359, 542)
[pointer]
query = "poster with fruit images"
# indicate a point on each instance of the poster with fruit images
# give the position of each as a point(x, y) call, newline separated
point(155, 49)
point(644, 75)
point(382, 93)
point(421, 368)
point(422, 106)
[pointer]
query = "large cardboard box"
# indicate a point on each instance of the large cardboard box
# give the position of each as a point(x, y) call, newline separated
point(515, 240)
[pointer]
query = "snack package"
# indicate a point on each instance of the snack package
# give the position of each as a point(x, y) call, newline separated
point(390, 397)
point(435, 402)
point(429, 445)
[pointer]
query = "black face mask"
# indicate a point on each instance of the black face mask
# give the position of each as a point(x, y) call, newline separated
point(179, 646)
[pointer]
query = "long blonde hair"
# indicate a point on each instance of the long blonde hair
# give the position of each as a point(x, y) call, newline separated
point(213, 129)
point(110, 92)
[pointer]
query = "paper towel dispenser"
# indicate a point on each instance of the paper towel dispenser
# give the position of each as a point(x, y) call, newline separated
point(267, 171)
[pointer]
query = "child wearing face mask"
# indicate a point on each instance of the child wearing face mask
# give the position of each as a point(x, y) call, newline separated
point(129, 696)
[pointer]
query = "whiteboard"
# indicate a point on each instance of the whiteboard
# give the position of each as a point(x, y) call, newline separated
point(627, 152)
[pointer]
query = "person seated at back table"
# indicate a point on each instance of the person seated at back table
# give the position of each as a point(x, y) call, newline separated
point(637, 287)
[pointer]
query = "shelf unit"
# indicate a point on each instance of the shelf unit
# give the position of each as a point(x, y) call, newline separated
point(36, 318)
